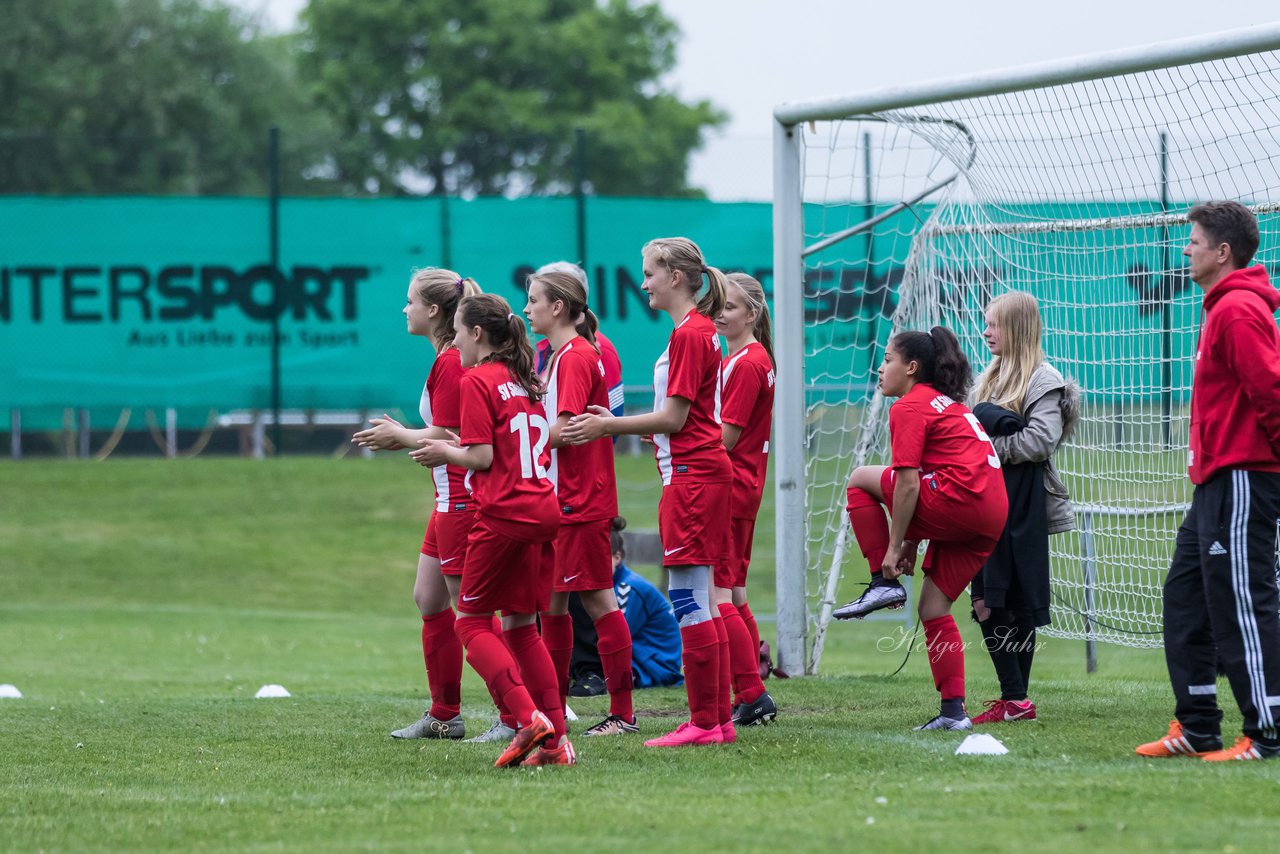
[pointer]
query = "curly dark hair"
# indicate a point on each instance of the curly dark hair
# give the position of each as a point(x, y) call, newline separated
point(942, 363)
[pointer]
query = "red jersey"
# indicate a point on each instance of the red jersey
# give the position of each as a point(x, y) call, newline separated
point(612, 368)
point(1235, 396)
point(612, 372)
point(497, 411)
point(690, 368)
point(440, 405)
point(582, 474)
point(944, 440)
point(746, 401)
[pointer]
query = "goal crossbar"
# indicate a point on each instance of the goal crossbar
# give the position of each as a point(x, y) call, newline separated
point(1186, 51)
point(1109, 223)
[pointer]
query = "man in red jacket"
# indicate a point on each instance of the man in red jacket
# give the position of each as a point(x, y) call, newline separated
point(1220, 598)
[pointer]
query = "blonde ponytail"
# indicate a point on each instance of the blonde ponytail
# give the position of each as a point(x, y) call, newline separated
point(681, 253)
point(445, 288)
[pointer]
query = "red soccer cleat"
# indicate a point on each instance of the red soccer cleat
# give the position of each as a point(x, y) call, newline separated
point(1006, 711)
point(526, 741)
point(562, 755)
point(993, 715)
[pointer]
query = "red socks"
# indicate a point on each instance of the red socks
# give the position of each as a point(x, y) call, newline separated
point(946, 656)
point(870, 526)
point(744, 658)
point(492, 660)
point(724, 690)
point(442, 654)
point(504, 714)
point(614, 646)
point(701, 656)
point(538, 672)
point(749, 619)
point(557, 634)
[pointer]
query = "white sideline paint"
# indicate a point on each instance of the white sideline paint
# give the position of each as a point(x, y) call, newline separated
point(272, 691)
point(981, 744)
point(10, 692)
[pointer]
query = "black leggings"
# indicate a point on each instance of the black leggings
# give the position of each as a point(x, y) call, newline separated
point(1010, 638)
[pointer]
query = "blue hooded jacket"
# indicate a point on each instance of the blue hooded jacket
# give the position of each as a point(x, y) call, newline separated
point(655, 634)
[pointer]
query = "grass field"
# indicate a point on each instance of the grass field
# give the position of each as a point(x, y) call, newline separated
point(143, 602)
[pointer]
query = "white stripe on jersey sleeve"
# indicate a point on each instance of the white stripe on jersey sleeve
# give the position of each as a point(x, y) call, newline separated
point(661, 441)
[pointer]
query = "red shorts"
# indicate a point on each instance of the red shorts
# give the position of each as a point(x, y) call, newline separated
point(693, 522)
point(733, 572)
point(446, 539)
point(584, 557)
point(961, 534)
point(507, 568)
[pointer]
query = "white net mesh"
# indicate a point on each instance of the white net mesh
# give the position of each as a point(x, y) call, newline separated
point(1078, 194)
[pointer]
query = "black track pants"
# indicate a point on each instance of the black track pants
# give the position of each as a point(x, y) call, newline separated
point(1221, 605)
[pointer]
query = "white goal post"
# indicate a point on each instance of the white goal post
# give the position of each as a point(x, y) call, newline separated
point(1072, 179)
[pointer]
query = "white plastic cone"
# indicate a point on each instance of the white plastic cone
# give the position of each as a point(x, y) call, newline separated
point(10, 692)
point(272, 691)
point(981, 744)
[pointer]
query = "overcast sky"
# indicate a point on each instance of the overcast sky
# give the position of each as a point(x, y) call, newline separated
point(747, 56)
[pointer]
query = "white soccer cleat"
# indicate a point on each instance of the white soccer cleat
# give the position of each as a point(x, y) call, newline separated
point(878, 595)
point(943, 722)
point(498, 732)
point(431, 727)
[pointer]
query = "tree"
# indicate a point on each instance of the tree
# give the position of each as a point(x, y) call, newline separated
point(483, 96)
point(148, 96)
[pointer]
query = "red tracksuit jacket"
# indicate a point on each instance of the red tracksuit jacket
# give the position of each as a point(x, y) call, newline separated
point(1235, 397)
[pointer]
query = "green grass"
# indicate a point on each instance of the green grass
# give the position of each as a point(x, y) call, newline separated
point(143, 602)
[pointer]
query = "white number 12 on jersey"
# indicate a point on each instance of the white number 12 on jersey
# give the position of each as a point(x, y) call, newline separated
point(531, 451)
point(992, 459)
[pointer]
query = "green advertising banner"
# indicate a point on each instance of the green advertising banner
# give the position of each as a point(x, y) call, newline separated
point(108, 303)
point(168, 302)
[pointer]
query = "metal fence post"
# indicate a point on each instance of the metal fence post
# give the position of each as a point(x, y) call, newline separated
point(1090, 580)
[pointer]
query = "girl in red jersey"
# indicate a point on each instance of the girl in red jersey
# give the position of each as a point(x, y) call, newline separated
point(587, 492)
point(608, 352)
point(696, 474)
point(510, 552)
point(433, 298)
point(944, 486)
point(746, 413)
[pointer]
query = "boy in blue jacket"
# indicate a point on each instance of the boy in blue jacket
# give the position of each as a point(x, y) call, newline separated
point(655, 634)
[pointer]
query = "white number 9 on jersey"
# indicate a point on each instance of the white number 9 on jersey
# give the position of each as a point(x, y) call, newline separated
point(531, 449)
point(993, 459)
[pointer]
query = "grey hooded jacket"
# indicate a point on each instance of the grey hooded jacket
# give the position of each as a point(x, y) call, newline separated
point(1051, 410)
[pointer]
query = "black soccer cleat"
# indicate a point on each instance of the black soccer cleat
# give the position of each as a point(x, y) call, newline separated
point(762, 711)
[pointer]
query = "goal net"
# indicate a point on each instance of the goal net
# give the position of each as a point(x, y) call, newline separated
point(1069, 181)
